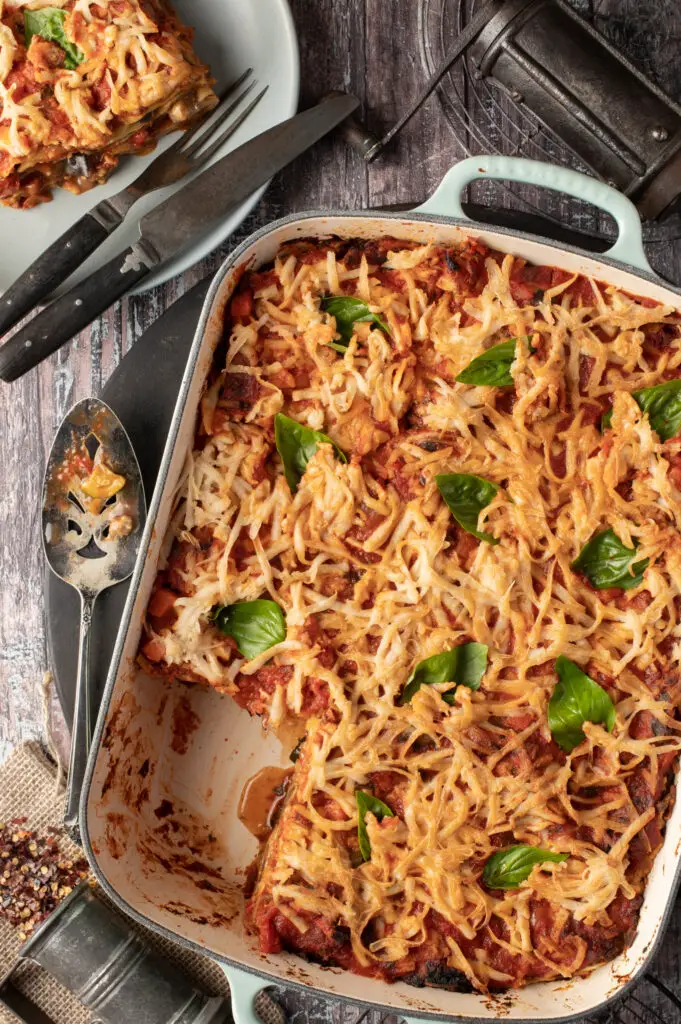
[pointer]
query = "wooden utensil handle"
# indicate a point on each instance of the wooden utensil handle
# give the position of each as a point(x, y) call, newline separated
point(70, 314)
point(51, 269)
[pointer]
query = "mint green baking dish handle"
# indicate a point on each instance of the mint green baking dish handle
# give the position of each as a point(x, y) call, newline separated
point(244, 987)
point(628, 249)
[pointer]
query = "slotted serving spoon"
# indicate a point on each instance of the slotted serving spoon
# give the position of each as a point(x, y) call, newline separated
point(83, 545)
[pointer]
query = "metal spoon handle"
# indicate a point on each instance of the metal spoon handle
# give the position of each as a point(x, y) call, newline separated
point(81, 733)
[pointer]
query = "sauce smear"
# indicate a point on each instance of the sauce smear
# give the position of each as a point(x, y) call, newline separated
point(261, 798)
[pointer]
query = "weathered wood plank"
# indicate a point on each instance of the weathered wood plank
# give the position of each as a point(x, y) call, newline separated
point(21, 634)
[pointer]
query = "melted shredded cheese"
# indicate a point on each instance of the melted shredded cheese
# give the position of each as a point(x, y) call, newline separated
point(374, 576)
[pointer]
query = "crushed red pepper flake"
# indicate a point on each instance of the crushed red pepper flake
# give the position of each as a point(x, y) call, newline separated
point(35, 875)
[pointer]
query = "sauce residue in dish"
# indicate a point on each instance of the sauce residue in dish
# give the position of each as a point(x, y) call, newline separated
point(261, 798)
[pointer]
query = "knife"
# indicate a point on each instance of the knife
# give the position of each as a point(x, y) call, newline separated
point(170, 228)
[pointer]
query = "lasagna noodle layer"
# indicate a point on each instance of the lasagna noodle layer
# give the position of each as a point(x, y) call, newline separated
point(138, 79)
point(374, 575)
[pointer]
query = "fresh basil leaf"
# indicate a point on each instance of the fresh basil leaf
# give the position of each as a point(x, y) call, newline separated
point(606, 420)
point(662, 403)
point(255, 625)
point(464, 665)
point(606, 562)
point(575, 700)
point(506, 869)
point(366, 802)
point(296, 445)
point(347, 312)
point(492, 368)
point(48, 23)
point(466, 496)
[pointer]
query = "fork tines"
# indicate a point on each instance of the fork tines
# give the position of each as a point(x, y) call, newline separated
point(192, 143)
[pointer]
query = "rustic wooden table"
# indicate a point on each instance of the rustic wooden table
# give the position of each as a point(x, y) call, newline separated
point(369, 47)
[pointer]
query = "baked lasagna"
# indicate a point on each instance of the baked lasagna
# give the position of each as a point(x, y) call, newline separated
point(82, 82)
point(432, 520)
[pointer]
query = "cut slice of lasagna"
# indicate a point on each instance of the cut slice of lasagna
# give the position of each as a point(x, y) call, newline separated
point(376, 863)
point(82, 82)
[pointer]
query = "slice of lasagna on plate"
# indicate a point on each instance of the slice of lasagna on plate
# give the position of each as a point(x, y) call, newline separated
point(82, 83)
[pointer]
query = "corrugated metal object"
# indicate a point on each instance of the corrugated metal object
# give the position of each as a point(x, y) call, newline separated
point(549, 60)
point(94, 954)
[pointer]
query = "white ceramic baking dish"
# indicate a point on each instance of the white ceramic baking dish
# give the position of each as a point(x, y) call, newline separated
point(159, 810)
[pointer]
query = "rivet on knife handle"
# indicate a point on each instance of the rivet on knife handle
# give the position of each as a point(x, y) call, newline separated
point(71, 313)
point(53, 267)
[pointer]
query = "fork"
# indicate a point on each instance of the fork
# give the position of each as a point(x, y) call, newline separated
point(191, 152)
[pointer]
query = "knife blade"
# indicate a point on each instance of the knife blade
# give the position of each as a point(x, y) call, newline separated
point(170, 228)
point(163, 231)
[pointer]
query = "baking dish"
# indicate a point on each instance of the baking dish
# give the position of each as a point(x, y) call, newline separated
point(159, 810)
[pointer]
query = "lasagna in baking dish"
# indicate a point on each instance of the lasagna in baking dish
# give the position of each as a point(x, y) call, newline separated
point(432, 520)
point(82, 82)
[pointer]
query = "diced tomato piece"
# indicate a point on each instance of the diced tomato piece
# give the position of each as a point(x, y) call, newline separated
point(154, 650)
point(675, 470)
point(264, 681)
point(242, 305)
point(315, 695)
point(140, 138)
point(586, 365)
point(101, 93)
point(591, 414)
point(162, 601)
point(162, 607)
point(268, 936)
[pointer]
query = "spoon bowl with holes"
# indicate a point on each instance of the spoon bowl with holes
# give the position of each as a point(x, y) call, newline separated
point(92, 522)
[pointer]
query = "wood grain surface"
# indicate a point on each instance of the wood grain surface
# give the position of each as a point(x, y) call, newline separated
point(369, 47)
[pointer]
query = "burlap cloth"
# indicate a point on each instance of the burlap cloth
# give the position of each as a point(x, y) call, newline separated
point(28, 788)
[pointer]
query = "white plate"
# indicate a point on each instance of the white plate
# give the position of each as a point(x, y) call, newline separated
point(231, 35)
